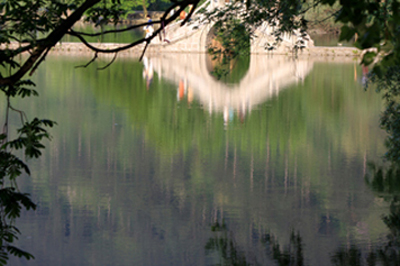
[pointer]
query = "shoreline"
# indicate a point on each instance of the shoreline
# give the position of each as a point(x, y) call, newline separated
point(76, 47)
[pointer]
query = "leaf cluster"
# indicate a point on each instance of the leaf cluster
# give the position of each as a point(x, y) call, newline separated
point(22, 20)
point(12, 201)
point(281, 16)
point(373, 25)
point(28, 23)
point(388, 83)
point(20, 89)
point(29, 141)
point(108, 12)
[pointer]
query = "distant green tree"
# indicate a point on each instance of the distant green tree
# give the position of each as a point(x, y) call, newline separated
point(127, 7)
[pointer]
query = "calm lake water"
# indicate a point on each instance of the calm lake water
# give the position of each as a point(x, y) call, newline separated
point(164, 165)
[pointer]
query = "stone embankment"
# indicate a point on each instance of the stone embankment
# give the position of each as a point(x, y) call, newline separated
point(79, 48)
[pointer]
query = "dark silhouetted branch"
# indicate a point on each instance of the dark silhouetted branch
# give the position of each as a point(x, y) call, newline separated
point(91, 61)
point(109, 64)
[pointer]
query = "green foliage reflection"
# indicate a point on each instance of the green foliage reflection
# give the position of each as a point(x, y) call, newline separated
point(124, 132)
point(384, 181)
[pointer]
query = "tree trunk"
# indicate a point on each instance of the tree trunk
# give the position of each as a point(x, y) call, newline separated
point(144, 8)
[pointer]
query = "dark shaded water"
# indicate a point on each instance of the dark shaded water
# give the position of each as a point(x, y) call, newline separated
point(180, 169)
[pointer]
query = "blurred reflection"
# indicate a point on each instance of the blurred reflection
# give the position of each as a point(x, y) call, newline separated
point(365, 72)
point(385, 183)
point(224, 245)
point(148, 71)
point(265, 78)
point(181, 90)
point(286, 255)
point(351, 256)
point(225, 68)
point(184, 90)
point(144, 193)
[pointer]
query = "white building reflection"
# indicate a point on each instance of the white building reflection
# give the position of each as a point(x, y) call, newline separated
point(265, 78)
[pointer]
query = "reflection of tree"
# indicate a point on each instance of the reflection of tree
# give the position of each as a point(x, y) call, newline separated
point(352, 256)
point(386, 184)
point(275, 153)
point(225, 49)
point(289, 255)
point(224, 243)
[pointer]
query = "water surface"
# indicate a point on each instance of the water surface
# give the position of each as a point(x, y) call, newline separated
point(161, 164)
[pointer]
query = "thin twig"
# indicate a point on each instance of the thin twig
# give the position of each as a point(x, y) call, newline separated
point(42, 58)
point(102, 68)
point(5, 127)
point(118, 30)
point(105, 51)
point(91, 61)
point(21, 113)
point(144, 50)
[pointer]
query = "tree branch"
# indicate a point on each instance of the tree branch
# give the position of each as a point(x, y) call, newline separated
point(44, 45)
point(144, 50)
point(125, 47)
point(109, 64)
point(40, 61)
point(118, 30)
point(91, 61)
point(49, 42)
point(104, 51)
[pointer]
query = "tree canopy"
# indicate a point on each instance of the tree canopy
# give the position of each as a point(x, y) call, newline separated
point(374, 23)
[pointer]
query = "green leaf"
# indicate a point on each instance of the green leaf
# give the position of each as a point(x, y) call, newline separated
point(347, 33)
point(19, 253)
point(368, 58)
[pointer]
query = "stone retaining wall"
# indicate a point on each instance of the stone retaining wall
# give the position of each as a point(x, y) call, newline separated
point(185, 47)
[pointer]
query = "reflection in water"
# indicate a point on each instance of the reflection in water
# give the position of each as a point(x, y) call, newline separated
point(385, 183)
point(292, 254)
point(148, 71)
point(364, 79)
point(351, 257)
point(230, 71)
point(228, 252)
point(223, 242)
point(136, 177)
point(264, 79)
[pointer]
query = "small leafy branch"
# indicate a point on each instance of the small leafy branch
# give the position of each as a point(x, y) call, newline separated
point(28, 140)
